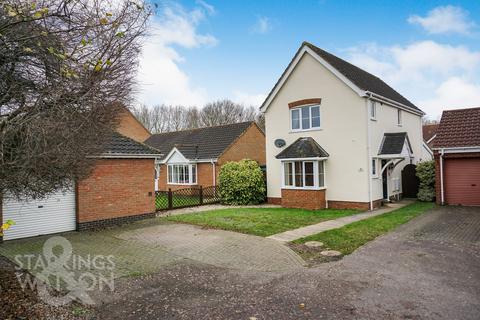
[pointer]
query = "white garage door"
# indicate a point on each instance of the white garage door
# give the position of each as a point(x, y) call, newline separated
point(36, 217)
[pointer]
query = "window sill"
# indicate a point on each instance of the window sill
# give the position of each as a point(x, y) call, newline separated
point(303, 188)
point(373, 119)
point(181, 184)
point(306, 130)
point(400, 125)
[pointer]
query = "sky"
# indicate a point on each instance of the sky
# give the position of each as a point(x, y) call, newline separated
point(202, 50)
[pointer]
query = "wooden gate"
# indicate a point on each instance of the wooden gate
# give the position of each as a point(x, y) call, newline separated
point(410, 181)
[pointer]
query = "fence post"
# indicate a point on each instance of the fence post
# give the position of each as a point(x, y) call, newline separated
point(200, 194)
point(170, 198)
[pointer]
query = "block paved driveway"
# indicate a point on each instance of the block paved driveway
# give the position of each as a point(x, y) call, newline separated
point(426, 269)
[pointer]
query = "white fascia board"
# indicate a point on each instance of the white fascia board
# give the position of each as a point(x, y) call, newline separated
point(393, 103)
point(427, 148)
point(126, 156)
point(459, 149)
point(304, 159)
point(296, 60)
point(433, 137)
point(391, 156)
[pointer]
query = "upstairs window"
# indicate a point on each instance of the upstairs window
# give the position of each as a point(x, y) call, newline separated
point(373, 110)
point(399, 117)
point(305, 118)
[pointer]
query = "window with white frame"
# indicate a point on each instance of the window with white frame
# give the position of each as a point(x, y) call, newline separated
point(374, 167)
point(399, 117)
point(182, 174)
point(305, 118)
point(304, 174)
point(373, 110)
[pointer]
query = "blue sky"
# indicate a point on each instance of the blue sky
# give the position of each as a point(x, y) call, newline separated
point(201, 50)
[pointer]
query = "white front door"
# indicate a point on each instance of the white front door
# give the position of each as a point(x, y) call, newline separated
point(53, 214)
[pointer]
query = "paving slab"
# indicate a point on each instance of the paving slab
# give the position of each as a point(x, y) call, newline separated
point(303, 232)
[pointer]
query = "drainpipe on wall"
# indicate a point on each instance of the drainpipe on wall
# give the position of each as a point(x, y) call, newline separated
point(441, 178)
point(369, 160)
point(214, 173)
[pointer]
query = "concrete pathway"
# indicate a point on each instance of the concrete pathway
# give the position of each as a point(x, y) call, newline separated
point(303, 232)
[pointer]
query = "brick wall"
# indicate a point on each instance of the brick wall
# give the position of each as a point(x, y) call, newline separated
point(332, 204)
point(129, 126)
point(305, 199)
point(204, 177)
point(116, 188)
point(250, 145)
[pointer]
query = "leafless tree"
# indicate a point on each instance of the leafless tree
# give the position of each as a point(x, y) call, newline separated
point(65, 68)
point(225, 112)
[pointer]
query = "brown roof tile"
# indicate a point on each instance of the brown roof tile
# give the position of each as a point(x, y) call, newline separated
point(459, 128)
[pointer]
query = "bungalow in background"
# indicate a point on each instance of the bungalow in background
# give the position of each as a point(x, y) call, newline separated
point(194, 157)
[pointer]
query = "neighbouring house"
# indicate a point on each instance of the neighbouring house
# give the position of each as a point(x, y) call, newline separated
point(430, 133)
point(130, 126)
point(119, 189)
point(194, 157)
point(457, 157)
point(336, 135)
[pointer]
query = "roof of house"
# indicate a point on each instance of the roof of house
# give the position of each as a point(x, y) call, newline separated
point(429, 130)
point(201, 143)
point(305, 147)
point(361, 78)
point(393, 143)
point(459, 128)
point(121, 145)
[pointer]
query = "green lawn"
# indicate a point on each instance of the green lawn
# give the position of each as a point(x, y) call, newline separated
point(260, 221)
point(354, 235)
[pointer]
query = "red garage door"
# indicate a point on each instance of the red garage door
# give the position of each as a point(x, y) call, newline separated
point(462, 181)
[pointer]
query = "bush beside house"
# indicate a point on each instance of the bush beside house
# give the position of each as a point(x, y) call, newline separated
point(242, 183)
point(426, 174)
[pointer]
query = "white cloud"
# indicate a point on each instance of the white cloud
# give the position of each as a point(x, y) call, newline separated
point(263, 25)
point(454, 93)
point(249, 99)
point(160, 76)
point(434, 76)
point(210, 9)
point(444, 19)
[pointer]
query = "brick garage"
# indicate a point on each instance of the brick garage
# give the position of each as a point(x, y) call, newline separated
point(208, 149)
point(116, 189)
point(457, 157)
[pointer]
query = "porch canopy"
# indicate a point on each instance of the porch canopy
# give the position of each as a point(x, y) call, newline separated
point(395, 148)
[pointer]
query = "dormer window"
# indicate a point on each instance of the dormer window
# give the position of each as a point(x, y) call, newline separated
point(373, 110)
point(305, 118)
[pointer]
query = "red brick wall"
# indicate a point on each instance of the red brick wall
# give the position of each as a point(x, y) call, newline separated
point(271, 200)
point(204, 177)
point(117, 188)
point(332, 204)
point(305, 199)
point(250, 145)
point(130, 127)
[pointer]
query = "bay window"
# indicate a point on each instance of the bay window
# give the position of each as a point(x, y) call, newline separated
point(182, 174)
point(306, 174)
point(305, 118)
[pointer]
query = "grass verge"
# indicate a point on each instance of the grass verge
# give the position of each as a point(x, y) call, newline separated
point(348, 238)
point(259, 221)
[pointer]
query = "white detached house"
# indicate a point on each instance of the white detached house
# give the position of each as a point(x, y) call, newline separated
point(336, 135)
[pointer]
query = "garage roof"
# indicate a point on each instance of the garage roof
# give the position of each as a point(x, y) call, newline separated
point(458, 128)
point(119, 145)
